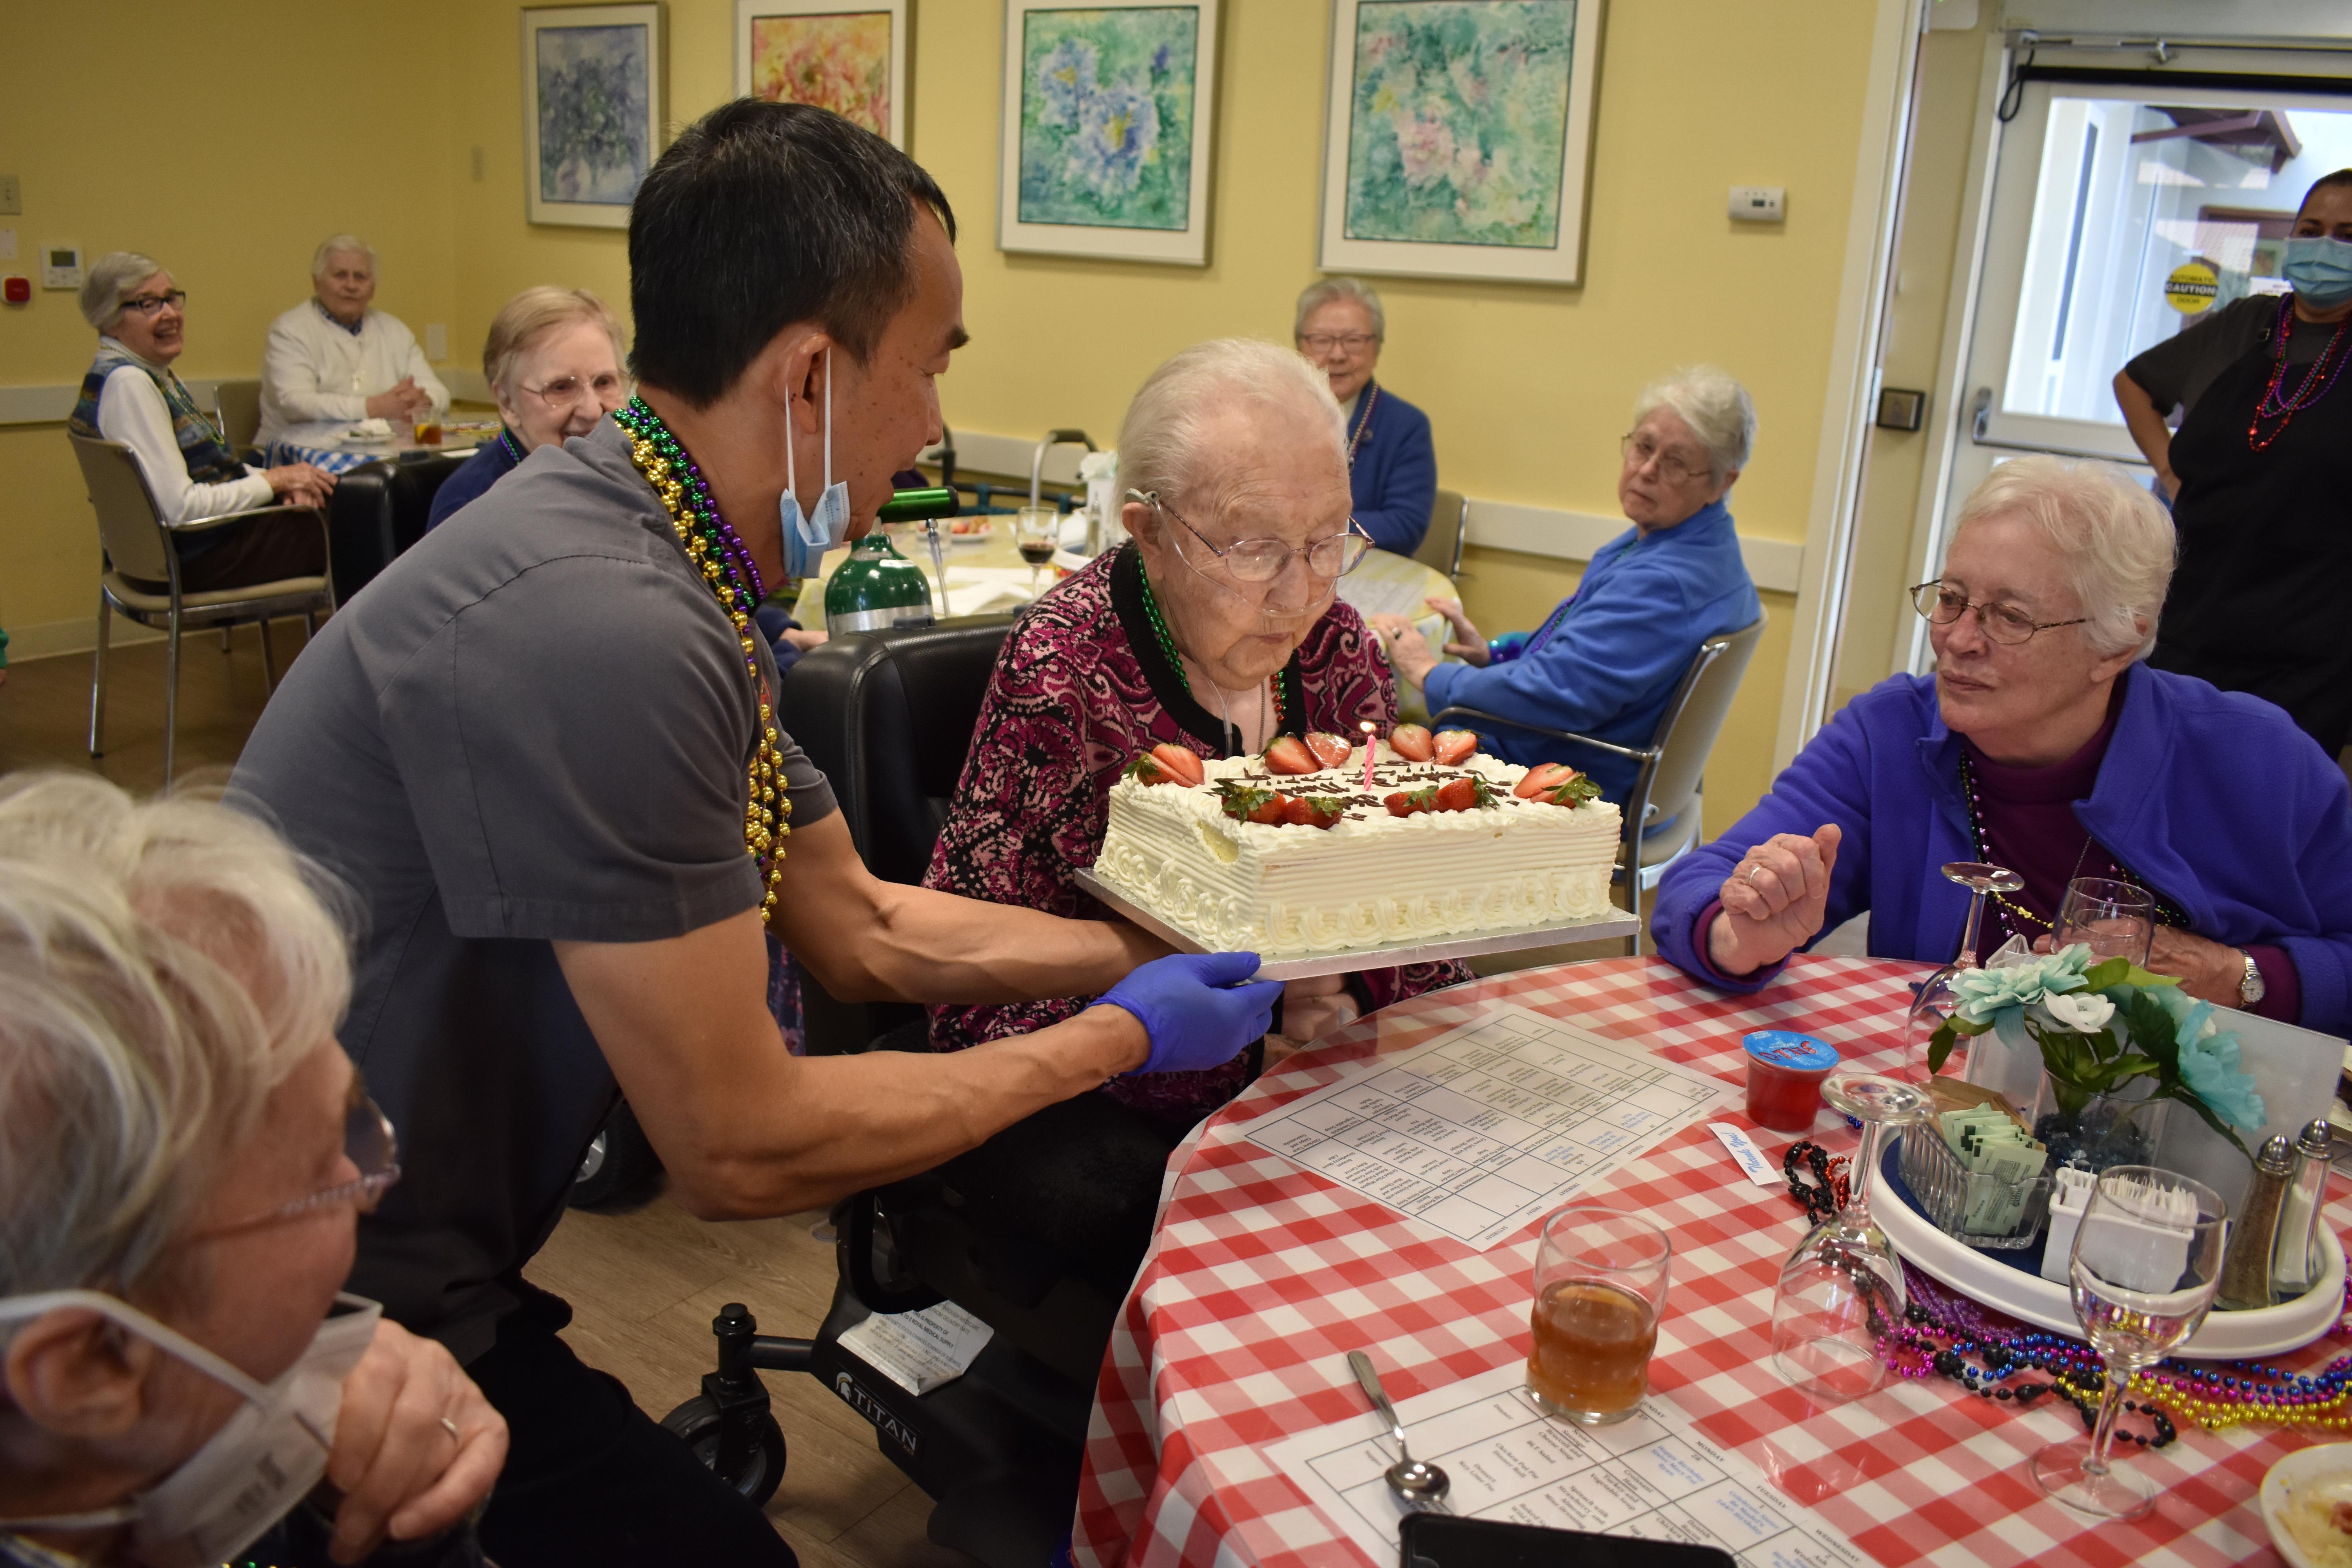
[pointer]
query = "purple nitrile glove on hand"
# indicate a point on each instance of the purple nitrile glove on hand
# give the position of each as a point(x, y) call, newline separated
point(1195, 1009)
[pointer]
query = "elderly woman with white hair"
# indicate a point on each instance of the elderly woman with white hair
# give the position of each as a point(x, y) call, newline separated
point(1216, 630)
point(1606, 661)
point(333, 360)
point(2043, 744)
point(1341, 326)
point(183, 1150)
point(553, 361)
point(132, 395)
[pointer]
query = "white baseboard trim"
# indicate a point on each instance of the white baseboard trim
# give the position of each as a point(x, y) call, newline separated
point(1776, 565)
point(55, 639)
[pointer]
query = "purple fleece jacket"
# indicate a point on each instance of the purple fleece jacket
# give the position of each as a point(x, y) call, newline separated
point(2214, 798)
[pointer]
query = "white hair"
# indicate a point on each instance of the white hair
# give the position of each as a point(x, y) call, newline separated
point(162, 967)
point(1717, 408)
point(1317, 295)
point(111, 279)
point(533, 312)
point(1162, 441)
point(339, 244)
point(2115, 539)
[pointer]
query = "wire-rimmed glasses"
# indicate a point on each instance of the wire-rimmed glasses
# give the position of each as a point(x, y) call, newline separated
point(1640, 448)
point(373, 1149)
point(1330, 557)
point(2002, 622)
point(1324, 342)
point(608, 389)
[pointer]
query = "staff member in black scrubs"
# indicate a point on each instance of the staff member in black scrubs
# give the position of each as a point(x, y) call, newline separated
point(2261, 475)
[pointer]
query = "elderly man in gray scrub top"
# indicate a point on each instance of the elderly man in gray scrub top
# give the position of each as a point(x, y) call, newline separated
point(540, 748)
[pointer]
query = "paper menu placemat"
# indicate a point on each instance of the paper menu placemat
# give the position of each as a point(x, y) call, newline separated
point(1492, 1124)
point(1651, 1476)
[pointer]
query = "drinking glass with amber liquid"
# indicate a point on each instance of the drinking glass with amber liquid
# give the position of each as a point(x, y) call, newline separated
point(1600, 1287)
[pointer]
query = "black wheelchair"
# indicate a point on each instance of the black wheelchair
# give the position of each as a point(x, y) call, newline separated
point(888, 716)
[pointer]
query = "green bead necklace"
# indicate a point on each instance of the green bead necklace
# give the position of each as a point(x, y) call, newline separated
point(1168, 646)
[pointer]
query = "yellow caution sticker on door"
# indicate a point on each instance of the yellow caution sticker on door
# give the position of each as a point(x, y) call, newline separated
point(2191, 287)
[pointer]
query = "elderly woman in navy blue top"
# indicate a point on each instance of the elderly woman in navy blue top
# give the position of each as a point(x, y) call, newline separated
point(1607, 658)
point(1392, 467)
point(553, 362)
point(2043, 744)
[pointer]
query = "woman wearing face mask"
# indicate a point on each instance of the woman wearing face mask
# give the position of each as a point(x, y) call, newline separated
point(553, 362)
point(1216, 630)
point(2261, 475)
point(183, 1149)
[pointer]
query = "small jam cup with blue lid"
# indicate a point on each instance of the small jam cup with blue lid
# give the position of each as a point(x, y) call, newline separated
point(1784, 1079)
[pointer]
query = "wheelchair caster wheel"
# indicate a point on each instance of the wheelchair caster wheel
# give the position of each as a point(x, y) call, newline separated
point(700, 1425)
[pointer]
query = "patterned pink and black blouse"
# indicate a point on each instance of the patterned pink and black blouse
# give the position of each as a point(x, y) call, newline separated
point(1081, 688)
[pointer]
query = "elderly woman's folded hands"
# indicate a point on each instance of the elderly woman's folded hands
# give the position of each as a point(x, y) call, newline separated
point(416, 1445)
point(1773, 902)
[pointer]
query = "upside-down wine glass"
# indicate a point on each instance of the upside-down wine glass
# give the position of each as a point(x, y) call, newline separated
point(1842, 1290)
point(1937, 998)
point(2147, 1261)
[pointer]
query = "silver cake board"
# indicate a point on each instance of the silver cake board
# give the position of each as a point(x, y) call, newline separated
point(1614, 925)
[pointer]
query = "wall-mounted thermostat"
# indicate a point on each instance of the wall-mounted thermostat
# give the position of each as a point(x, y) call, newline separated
point(1760, 203)
point(61, 267)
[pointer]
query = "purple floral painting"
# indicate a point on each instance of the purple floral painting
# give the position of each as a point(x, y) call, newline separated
point(1107, 100)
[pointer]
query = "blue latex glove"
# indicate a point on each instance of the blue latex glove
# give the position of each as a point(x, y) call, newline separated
point(1194, 1009)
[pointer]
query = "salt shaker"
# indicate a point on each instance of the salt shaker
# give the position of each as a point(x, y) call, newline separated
point(2246, 1269)
point(2295, 1262)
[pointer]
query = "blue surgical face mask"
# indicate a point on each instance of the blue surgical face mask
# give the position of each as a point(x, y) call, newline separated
point(808, 537)
point(2320, 269)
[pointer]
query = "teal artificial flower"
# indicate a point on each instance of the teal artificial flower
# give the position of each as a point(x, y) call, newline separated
point(1986, 993)
point(2209, 1064)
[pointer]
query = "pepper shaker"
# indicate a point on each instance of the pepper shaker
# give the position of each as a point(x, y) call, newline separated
point(2294, 1263)
point(2246, 1269)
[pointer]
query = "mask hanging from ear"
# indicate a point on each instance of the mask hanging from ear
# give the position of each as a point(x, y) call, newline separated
point(808, 536)
point(247, 1476)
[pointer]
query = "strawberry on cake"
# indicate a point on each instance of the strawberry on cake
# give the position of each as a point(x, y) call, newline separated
point(1288, 853)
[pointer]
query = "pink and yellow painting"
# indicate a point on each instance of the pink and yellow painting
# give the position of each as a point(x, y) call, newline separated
point(840, 62)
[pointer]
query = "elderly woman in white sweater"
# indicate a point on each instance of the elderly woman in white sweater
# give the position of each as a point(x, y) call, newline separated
point(131, 395)
point(333, 359)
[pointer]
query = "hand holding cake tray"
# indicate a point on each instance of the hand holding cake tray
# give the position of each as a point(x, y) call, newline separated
point(1324, 858)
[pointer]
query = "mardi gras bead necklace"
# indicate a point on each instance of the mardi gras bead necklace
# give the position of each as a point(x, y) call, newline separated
point(2283, 407)
point(1364, 422)
point(2167, 911)
point(719, 554)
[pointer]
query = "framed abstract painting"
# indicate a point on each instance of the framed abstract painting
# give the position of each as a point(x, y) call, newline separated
point(1107, 115)
point(848, 56)
point(592, 86)
point(1458, 137)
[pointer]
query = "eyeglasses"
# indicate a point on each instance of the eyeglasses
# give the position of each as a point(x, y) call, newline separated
point(2002, 622)
point(369, 1144)
point(1324, 342)
point(1263, 560)
point(608, 388)
point(1642, 450)
point(147, 304)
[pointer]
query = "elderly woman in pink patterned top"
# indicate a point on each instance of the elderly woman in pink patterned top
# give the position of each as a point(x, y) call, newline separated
point(1217, 628)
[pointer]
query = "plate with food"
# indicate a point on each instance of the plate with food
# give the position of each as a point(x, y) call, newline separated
point(1324, 861)
point(970, 531)
point(2307, 1502)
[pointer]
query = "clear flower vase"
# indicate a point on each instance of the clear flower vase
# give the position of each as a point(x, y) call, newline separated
point(2099, 1131)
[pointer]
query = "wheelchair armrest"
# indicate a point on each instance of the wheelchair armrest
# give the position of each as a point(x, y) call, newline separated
point(1479, 716)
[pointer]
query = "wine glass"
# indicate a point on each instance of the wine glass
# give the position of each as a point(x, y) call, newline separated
point(1842, 1290)
point(1035, 532)
point(2147, 1261)
point(2113, 919)
point(1937, 998)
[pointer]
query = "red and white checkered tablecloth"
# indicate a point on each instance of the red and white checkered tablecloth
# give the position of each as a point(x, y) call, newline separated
point(1263, 1277)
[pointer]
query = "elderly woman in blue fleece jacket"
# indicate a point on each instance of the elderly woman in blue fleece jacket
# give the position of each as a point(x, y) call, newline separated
point(2041, 743)
point(1605, 661)
point(1391, 464)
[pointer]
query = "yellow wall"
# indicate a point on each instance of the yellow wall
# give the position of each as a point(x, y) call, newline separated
point(1527, 386)
point(227, 141)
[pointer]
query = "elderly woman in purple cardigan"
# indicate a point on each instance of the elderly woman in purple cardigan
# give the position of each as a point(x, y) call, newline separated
point(2041, 743)
point(1217, 628)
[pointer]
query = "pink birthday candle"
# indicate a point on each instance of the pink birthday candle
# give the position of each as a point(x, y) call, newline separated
point(1369, 746)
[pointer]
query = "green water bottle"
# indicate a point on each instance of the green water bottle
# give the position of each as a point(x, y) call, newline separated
point(876, 587)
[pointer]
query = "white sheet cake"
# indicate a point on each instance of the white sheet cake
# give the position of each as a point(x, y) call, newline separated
point(1372, 879)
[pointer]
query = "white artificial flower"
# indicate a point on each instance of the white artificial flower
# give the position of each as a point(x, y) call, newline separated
point(2085, 1012)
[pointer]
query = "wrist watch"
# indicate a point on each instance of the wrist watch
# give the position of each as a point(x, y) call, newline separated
point(2250, 988)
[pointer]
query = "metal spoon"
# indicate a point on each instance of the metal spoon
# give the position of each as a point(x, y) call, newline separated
point(1418, 1485)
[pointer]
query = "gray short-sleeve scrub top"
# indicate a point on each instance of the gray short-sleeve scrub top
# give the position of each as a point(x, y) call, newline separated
point(532, 727)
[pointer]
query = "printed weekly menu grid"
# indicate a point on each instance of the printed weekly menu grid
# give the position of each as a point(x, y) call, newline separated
point(1490, 1124)
point(1651, 1476)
